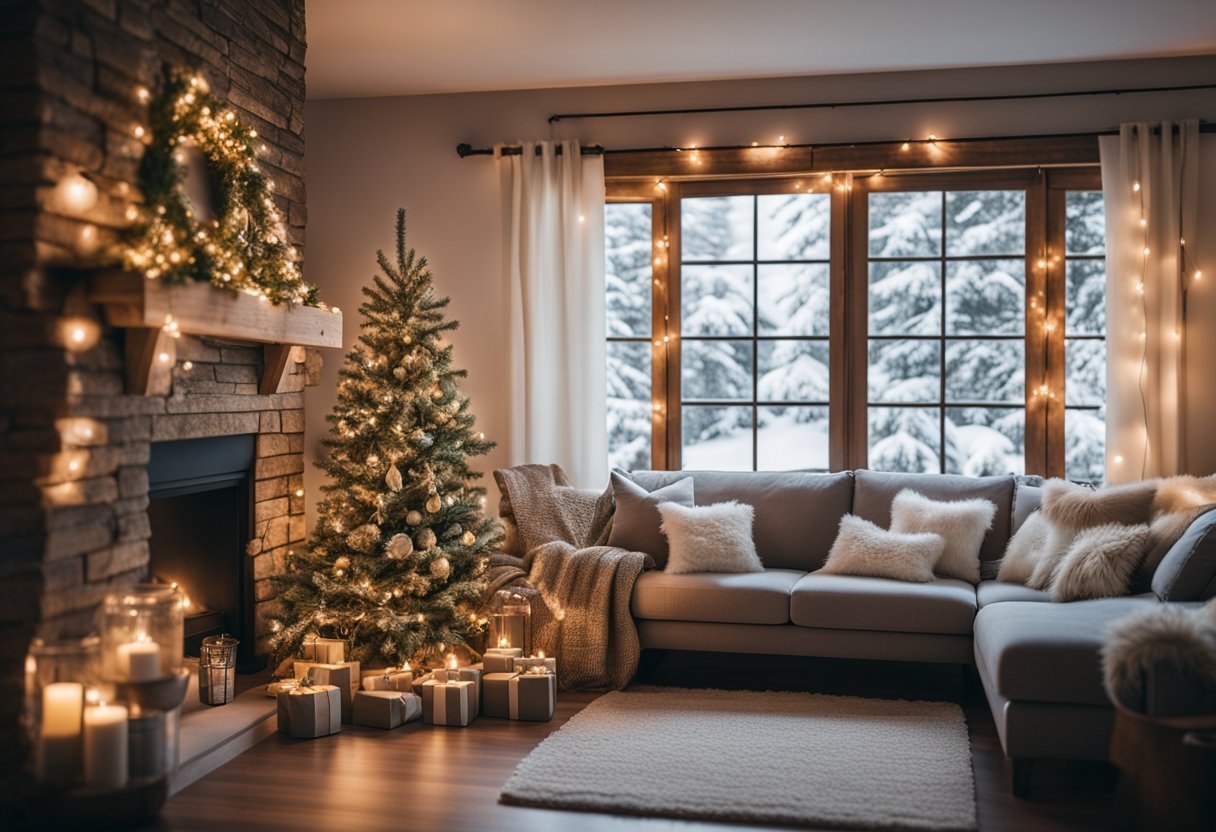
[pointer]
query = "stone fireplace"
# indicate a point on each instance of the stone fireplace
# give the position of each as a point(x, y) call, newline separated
point(82, 456)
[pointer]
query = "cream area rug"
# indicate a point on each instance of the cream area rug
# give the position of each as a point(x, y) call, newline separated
point(796, 759)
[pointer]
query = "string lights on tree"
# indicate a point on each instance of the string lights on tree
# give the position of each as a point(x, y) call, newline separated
point(244, 248)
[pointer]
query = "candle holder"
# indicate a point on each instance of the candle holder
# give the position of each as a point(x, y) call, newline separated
point(141, 634)
point(217, 670)
point(510, 621)
point(56, 676)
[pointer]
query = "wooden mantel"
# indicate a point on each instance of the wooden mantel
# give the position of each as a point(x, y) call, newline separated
point(150, 311)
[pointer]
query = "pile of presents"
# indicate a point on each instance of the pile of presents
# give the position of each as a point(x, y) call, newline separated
point(325, 691)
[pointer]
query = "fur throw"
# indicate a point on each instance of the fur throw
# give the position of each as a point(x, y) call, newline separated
point(1100, 563)
point(1024, 549)
point(862, 548)
point(1179, 500)
point(962, 525)
point(1164, 633)
point(713, 538)
point(1074, 508)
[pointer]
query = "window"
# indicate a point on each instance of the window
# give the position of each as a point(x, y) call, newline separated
point(754, 331)
point(895, 322)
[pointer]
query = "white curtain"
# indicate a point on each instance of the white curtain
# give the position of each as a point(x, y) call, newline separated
point(1150, 185)
point(554, 209)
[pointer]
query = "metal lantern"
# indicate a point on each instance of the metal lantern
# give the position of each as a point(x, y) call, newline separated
point(510, 621)
point(217, 670)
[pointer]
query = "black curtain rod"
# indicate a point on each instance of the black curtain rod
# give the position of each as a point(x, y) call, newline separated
point(833, 105)
point(464, 150)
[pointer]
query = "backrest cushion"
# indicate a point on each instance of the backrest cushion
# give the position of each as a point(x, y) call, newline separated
point(1188, 570)
point(797, 513)
point(1027, 497)
point(875, 491)
point(635, 525)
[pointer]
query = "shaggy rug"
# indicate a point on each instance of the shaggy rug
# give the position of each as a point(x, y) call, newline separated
point(774, 758)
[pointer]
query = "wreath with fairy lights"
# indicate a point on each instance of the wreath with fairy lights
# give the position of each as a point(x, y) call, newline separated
point(243, 248)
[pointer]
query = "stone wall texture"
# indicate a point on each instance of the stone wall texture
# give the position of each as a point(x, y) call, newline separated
point(73, 446)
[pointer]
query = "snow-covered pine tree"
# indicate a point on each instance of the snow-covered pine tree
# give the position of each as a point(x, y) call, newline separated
point(396, 559)
point(627, 249)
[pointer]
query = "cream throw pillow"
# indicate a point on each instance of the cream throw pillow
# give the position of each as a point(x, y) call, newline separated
point(961, 524)
point(862, 548)
point(1024, 550)
point(1100, 562)
point(713, 538)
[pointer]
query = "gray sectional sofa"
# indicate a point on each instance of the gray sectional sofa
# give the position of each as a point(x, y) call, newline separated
point(1038, 661)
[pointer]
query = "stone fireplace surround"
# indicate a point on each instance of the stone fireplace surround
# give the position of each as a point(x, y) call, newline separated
point(74, 446)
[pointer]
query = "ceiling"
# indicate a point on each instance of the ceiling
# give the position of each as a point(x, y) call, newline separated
point(409, 47)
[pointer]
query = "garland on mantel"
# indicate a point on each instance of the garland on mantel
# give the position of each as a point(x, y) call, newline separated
point(244, 248)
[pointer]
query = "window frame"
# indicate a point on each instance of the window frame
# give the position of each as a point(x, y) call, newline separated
point(848, 274)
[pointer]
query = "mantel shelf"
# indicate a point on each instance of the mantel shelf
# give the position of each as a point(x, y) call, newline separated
point(143, 307)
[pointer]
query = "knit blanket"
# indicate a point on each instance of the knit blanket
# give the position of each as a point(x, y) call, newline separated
point(580, 589)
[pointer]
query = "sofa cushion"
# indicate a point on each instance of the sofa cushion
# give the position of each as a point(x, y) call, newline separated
point(636, 521)
point(875, 490)
point(796, 513)
point(1188, 570)
point(1027, 497)
point(994, 592)
point(731, 598)
point(1049, 652)
point(847, 602)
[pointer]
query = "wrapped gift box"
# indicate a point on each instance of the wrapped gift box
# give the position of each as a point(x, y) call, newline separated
point(325, 650)
point(344, 676)
point(314, 711)
point(521, 665)
point(390, 678)
point(528, 696)
point(277, 687)
point(386, 708)
point(448, 702)
point(468, 673)
point(500, 659)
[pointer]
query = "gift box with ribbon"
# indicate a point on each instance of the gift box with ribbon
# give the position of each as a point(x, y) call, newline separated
point(528, 696)
point(500, 659)
point(310, 710)
point(524, 663)
point(390, 678)
point(448, 702)
point(344, 676)
point(386, 708)
point(324, 650)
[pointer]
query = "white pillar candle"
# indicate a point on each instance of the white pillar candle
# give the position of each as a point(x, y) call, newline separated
point(59, 738)
point(105, 746)
point(139, 661)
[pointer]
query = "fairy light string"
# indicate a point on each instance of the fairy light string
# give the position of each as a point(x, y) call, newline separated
point(245, 247)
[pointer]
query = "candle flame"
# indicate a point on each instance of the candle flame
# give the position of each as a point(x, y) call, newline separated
point(452, 661)
point(540, 654)
point(503, 641)
point(405, 666)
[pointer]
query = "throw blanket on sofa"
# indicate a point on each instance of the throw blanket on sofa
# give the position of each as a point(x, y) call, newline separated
point(583, 588)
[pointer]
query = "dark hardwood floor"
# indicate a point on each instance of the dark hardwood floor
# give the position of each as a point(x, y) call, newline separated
point(441, 779)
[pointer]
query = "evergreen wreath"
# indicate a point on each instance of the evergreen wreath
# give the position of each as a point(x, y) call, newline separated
point(244, 249)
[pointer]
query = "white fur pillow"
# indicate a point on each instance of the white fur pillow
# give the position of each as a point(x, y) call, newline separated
point(1024, 549)
point(1075, 507)
point(961, 524)
point(714, 538)
point(862, 548)
point(1100, 562)
point(1055, 546)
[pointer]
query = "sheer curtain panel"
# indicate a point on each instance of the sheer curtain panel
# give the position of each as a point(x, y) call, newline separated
point(554, 212)
point(1150, 184)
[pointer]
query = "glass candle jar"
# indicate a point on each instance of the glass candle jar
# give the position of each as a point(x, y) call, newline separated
point(510, 621)
point(57, 675)
point(141, 634)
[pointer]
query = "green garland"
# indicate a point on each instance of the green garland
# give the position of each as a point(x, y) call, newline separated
point(244, 249)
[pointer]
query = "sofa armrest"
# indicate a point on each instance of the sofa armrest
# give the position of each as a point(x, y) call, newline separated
point(1187, 572)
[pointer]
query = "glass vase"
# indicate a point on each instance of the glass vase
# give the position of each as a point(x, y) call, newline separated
point(510, 621)
point(57, 676)
point(141, 634)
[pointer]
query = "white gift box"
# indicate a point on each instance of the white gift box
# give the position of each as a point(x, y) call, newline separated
point(308, 712)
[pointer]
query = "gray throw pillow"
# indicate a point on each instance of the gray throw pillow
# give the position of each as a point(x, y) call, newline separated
point(635, 525)
point(1188, 570)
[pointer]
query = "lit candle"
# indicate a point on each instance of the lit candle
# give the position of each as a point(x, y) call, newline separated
point(503, 641)
point(59, 739)
point(139, 661)
point(105, 746)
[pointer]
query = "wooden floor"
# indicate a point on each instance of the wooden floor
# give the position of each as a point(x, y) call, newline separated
point(448, 779)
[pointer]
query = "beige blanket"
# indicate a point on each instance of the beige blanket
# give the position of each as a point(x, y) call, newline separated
point(580, 589)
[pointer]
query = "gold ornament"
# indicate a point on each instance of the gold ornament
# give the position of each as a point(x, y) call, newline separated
point(413, 517)
point(399, 373)
point(399, 547)
point(468, 539)
point(425, 539)
point(436, 392)
point(440, 568)
point(433, 503)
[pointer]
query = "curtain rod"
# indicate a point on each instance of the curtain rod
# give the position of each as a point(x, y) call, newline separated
point(464, 149)
point(832, 105)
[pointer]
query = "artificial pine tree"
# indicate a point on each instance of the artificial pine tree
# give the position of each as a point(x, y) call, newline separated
point(396, 559)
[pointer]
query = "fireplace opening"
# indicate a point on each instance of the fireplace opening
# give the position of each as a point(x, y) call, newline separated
point(200, 509)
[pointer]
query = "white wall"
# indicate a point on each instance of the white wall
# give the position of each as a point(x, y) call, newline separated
point(365, 157)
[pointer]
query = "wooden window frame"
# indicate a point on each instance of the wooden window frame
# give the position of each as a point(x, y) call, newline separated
point(848, 337)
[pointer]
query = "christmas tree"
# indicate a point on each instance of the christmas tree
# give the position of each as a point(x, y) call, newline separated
point(396, 559)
